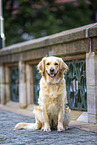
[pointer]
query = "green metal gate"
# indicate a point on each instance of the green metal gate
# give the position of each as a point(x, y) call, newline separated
point(14, 83)
point(76, 85)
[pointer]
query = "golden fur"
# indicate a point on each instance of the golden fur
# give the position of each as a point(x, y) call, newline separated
point(52, 112)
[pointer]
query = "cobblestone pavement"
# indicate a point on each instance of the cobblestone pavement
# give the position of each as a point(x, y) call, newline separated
point(10, 136)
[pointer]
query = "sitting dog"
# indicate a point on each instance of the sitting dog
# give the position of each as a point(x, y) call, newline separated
point(52, 112)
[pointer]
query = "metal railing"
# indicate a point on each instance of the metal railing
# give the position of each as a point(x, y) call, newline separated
point(2, 37)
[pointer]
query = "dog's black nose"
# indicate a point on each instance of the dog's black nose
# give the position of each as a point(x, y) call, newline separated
point(52, 70)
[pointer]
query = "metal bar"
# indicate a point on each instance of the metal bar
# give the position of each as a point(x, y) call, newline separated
point(0, 7)
point(2, 37)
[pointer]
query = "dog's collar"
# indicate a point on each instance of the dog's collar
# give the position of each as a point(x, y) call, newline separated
point(50, 75)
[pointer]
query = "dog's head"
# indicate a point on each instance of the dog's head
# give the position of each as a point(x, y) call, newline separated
point(52, 67)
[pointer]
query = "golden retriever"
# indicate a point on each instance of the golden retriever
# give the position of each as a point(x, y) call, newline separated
point(52, 112)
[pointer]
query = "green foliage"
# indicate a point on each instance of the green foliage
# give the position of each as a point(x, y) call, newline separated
point(29, 19)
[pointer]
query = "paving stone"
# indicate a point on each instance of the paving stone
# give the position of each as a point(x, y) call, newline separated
point(9, 136)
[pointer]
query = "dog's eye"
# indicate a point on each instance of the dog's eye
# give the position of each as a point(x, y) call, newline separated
point(48, 63)
point(56, 63)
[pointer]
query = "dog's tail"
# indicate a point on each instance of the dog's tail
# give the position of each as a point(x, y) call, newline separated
point(27, 126)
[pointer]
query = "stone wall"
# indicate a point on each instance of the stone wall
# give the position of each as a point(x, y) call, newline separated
point(74, 44)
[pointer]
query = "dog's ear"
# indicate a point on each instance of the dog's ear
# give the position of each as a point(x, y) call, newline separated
point(41, 65)
point(63, 66)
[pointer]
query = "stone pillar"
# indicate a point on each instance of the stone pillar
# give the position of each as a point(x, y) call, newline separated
point(91, 76)
point(7, 84)
point(22, 85)
point(2, 85)
point(29, 76)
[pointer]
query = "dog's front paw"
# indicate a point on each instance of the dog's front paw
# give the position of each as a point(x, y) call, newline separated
point(60, 128)
point(47, 128)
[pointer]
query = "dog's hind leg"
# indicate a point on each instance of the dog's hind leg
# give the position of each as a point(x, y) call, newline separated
point(66, 118)
point(38, 117)
point(32, 126)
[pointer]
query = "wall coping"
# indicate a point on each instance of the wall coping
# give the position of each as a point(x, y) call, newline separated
point(62, 37)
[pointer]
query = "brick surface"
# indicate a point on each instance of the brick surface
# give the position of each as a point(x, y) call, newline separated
point(10, 136)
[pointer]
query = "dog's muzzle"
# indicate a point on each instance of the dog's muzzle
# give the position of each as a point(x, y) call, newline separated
point(52, 73)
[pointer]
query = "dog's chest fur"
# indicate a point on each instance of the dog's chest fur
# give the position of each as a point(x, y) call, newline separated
point(51, 96)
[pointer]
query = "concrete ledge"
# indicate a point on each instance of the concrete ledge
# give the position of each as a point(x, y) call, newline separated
point(62, 37)
point(74, 42)
point(24, 112)
point(83, 117)
point(84, 126)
